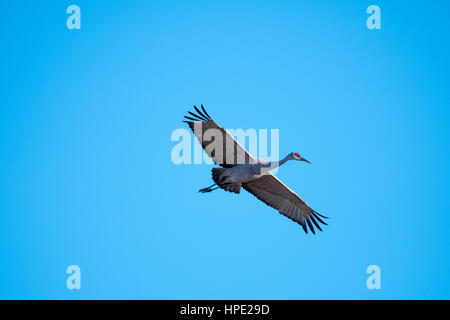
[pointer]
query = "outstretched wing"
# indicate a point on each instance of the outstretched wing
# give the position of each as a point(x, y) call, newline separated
point(270, 190)
point(218, 144)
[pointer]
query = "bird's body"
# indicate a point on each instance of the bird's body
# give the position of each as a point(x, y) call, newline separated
point(247, 172)
point(242, 173)
point(242, 170)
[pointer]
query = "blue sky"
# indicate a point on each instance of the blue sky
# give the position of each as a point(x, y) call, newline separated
point(86, 176)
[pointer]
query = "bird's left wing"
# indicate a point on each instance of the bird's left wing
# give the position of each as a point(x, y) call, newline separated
point(218, 144)
point(270, 190)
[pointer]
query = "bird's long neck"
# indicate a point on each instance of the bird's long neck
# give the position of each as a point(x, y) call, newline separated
point(274, 164)
point(284, 160)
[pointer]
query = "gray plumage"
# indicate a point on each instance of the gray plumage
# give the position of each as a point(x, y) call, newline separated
point(242, 170)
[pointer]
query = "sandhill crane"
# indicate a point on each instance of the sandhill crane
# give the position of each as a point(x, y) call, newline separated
point(241, 169)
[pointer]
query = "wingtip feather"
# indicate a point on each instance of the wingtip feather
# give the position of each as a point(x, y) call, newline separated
point(206, 113)
point(315, 222)
point(310, 225)
point(304, 227)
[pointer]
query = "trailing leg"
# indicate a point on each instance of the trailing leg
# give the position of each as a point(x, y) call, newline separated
point(208, 189)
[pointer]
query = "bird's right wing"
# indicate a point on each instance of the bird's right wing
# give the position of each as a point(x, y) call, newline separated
point(218, 144)
point(270, 190)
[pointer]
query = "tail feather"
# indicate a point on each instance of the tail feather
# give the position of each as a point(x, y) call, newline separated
point(218, 179)
point(216, 173)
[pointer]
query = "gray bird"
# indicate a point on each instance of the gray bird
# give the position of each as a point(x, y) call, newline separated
point(241, 169)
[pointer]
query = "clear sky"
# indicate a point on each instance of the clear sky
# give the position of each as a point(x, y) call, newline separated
point(86, 176)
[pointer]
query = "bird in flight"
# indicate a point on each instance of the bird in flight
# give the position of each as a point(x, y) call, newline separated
point(242, 170)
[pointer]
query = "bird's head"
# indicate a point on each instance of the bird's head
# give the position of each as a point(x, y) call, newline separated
point(298, 157)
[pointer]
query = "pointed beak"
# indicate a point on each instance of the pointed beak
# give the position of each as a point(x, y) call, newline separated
point(303, 159)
